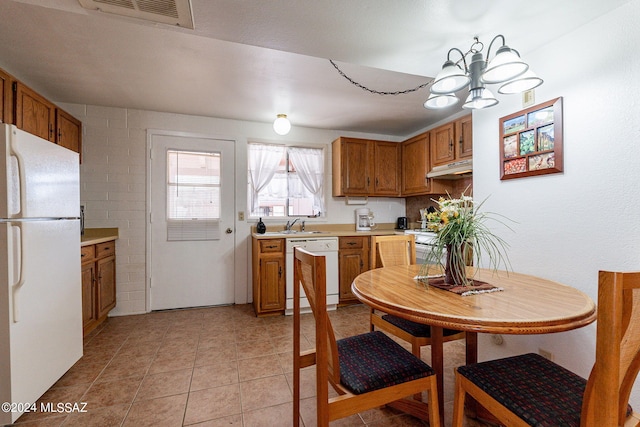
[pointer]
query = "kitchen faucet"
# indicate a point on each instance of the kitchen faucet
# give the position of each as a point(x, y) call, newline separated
point(288, 226)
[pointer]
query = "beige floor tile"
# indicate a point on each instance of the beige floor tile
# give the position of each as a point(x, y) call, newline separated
point(209, 376)
point(213, 355)
point(164, 384)
point(258, 367)
point(98, 417)
point(213, 403)
point(109, 393)
point(264, 392)
point(164, 411)
point(278, 415)
point(230, 421)
point(172, 362)
point(251, 349)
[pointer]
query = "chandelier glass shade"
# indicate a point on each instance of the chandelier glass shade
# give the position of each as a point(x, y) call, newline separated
point(505, 67)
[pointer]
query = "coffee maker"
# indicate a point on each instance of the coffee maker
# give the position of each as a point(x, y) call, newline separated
point(364, 219)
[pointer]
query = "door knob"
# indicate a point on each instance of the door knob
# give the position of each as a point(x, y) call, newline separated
point(229, 231)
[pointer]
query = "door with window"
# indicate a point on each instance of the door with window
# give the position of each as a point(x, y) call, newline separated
point(191, 221)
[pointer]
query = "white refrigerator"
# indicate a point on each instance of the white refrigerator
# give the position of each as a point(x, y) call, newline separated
point(40, 282)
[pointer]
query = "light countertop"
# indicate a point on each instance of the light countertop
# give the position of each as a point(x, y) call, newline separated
point(92, 236)
point(326, 230)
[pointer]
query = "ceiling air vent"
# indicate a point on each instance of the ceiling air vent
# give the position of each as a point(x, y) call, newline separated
point(172, 12)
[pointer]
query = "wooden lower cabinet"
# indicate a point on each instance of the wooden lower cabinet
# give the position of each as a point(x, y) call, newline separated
point(98, 283)
point(268, 271)
point(353, 259)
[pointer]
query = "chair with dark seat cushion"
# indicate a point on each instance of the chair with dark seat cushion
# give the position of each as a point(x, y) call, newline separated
point(392, 250)
point(529, 390)
point(366, 371)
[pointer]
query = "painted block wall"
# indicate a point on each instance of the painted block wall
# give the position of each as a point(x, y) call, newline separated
point(113, 185)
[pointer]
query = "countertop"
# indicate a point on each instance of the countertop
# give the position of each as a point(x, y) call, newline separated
point(326, 230)
point(92, 236)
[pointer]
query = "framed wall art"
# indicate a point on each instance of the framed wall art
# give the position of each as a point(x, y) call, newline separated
point(531, 141)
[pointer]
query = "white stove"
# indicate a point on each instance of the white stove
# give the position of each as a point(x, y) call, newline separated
point(424, 243)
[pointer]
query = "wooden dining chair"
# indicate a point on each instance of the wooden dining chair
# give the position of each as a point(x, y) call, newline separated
point(392, 250)
point(366, 371)
point(529, 390)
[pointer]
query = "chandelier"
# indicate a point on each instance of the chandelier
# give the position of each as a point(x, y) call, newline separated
point(506, 67)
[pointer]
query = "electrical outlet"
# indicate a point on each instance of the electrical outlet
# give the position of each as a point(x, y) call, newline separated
point(240, 215)
point(546, 354)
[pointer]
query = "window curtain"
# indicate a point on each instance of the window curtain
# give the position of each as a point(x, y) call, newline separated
point(263, 164)
point(309, 163)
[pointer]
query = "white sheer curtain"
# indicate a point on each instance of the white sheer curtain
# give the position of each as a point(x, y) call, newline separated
point(309, 163)
point(263, 164)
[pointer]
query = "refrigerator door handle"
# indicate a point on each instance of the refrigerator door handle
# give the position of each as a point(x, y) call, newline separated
point(15, 289)
point(22, 181)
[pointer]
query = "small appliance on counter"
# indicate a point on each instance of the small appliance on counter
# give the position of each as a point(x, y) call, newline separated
point(364, 219)
point(403, 223)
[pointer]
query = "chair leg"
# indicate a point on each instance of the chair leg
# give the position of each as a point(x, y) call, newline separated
point(415, 350)
point(371, 328)
point(458, 402)
point(434, 410)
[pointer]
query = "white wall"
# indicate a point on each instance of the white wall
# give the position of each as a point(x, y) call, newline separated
point(571, 225)
point(113, 185)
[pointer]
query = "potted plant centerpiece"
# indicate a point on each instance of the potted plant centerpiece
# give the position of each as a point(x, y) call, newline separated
point(462, 239)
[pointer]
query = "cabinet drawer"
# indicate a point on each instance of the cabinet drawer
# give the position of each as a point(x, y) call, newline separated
point(105, 249)
point(87, 253)
point(352, 242)
point(274, 245)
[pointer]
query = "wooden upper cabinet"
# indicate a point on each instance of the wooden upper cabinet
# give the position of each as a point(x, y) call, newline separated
point(365, 168)
point(442, 145)
point(386, 164)
point(34, 113)
point(68, 131)
point(452, 141)
point(351, 167)
point(464, 135)
point(415, 165)
point(6, 97)
point(38, 116)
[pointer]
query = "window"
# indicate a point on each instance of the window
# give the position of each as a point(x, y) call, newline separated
point(193, 195)
point(285, 181)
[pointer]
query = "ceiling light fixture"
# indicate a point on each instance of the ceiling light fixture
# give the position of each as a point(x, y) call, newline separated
point(281, 125)
point(506, 67)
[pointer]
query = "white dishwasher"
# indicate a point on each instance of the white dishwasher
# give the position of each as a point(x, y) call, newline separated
point(327, 246)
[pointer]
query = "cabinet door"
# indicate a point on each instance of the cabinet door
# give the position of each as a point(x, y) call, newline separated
point(6, 98)
point(106, 270)
point(69, 131)
point(272, 283)
point(415, 165)
point(464, 134)
point(353, 259)
point(88, 295)
point(34, 114)
point(356, 173)
point(386, 157)
point(442, 148)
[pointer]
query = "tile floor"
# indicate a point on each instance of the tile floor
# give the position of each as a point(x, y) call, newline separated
point(205, 367)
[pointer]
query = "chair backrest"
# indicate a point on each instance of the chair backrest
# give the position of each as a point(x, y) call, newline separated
point(392, 250)
point(617, 350)
point(309, 272)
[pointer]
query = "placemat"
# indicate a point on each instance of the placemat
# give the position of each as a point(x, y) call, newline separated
point(475, 287)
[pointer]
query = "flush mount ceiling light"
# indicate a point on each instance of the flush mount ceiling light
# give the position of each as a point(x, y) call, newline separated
point(505, 67)
point(281, 125)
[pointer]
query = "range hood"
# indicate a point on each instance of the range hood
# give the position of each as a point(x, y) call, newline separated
point(455, 170)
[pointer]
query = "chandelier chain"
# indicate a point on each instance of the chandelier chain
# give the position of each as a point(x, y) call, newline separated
point(378, 92)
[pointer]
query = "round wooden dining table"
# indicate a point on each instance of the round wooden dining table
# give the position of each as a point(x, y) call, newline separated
point(525, 305)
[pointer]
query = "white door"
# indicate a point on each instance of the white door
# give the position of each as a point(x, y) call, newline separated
point(192, 241)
